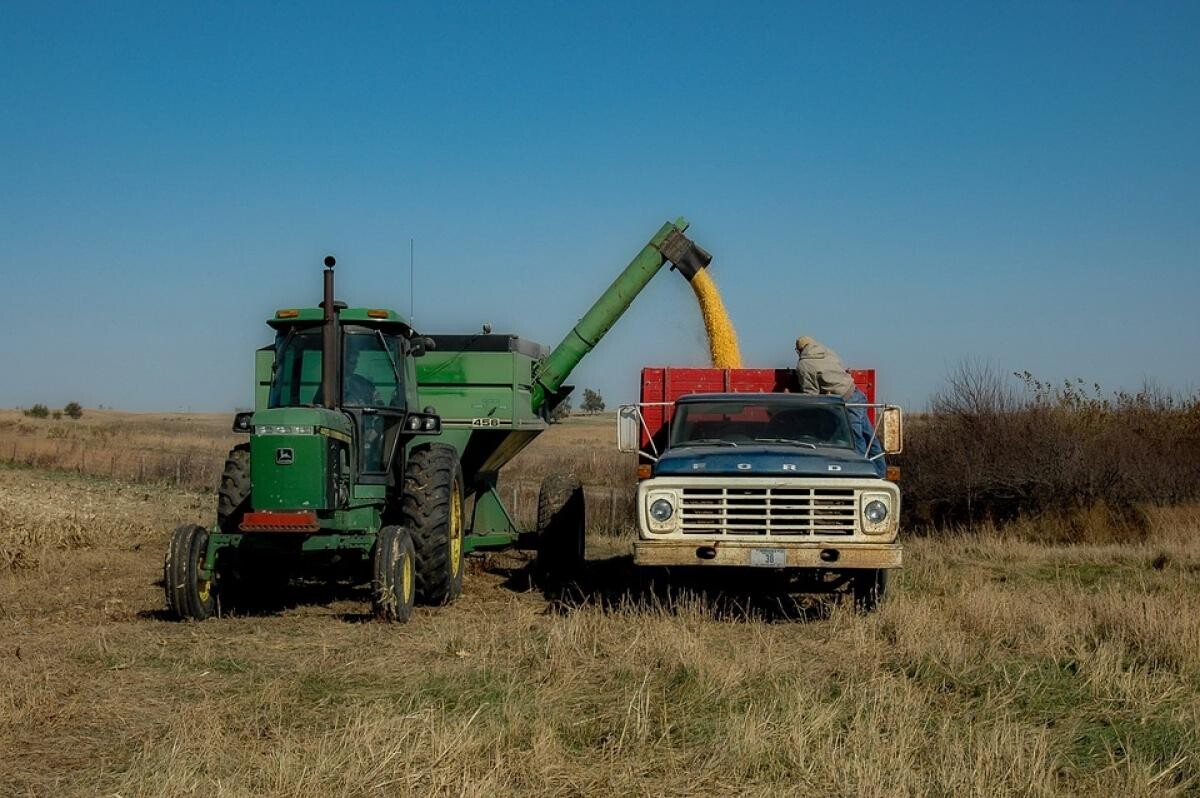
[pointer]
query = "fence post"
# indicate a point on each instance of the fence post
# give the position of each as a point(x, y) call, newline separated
point(142, 468)
point(178, 470)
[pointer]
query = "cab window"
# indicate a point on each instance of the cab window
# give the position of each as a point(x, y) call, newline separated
point(369, 369)
point(297, 376)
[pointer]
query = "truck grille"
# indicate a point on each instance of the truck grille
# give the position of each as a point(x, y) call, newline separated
point(769, 511)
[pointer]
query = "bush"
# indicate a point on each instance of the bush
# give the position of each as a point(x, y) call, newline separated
point(994, 448)
point(593, 402)
point(38, 411)
point(73, 410)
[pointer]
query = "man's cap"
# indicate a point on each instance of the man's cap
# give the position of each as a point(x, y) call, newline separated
point(804, 341)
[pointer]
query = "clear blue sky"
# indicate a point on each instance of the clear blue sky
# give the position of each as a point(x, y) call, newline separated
point(912, 184)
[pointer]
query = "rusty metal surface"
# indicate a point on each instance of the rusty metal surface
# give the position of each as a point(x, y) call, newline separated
point(738, 553)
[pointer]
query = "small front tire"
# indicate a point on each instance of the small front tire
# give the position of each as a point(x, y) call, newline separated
point(394, 587)
point(191, 595)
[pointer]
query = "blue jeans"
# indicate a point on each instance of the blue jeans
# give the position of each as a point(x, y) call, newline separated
point(863, 432)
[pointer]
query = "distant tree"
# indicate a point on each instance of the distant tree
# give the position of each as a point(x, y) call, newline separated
point(56, 415)
point(593, 402)
point(561, 411)
point(38, 411)
point(74, 410)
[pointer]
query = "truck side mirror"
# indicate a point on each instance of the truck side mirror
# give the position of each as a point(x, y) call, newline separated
point(629, 429)
point(893, 430)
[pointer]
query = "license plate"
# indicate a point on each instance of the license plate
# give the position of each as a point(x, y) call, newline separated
point(768, 558)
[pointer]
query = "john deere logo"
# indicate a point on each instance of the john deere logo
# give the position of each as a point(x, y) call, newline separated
point(284, 456)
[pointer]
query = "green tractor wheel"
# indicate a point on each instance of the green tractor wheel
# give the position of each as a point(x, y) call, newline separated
point(433, 513)
point(560, 529)
point(233, 497)
point(394, 586)
point(189, 595)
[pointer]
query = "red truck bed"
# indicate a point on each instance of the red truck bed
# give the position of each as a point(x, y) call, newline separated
point(668, 383)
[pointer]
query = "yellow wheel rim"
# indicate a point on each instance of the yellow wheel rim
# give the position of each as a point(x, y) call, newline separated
point(406, 579)
point(456, 531)
point(203, 586)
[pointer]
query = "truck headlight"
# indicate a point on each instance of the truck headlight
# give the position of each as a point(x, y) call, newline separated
point(878, 511)
point(661, 510)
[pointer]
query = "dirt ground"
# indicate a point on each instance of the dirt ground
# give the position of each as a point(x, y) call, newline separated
point(997, 667)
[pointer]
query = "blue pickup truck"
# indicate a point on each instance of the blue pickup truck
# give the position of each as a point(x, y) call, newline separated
point(767, 480)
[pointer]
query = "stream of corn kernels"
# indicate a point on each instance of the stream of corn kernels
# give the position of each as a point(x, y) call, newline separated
point(722, 339)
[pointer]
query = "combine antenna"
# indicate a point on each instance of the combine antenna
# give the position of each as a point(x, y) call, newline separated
point(411, 302)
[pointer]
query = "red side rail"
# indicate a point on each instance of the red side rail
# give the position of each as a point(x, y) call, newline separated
point(665, 384)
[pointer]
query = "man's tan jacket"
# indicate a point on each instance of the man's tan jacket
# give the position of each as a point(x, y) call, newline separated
point(821, 371)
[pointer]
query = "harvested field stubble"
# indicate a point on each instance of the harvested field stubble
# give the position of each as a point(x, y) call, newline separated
point(999, 667)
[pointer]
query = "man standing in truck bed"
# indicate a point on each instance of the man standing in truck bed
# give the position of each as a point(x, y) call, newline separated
point(821, 373)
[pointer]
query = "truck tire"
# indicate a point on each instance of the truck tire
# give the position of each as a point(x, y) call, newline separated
point(189, 597)
point(394, 584)
point(433, 514)
point(560, 529)
point(233, 497)
point(869, 587)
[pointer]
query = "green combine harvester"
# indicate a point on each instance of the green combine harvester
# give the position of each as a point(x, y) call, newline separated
point(374, 454)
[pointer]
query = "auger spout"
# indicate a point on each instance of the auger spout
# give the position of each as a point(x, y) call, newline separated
point(669, 244)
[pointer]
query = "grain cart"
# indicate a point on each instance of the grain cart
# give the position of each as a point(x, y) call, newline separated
point(737, 469)
point(374, 453)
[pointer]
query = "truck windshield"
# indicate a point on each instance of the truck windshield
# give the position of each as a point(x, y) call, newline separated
point(369, 377)
point(743, 423)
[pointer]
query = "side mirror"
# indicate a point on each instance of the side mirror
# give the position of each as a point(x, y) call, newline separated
point(629, 429)
point(243, 422)
point(418, 345)
point(893, 430)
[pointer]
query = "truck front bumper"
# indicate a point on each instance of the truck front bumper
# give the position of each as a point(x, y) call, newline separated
point(773, 554)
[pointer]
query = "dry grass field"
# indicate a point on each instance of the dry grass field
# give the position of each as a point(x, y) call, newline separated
point(998, 667)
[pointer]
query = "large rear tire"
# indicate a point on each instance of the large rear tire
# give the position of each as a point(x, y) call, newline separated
point(433, 513)
point(233, 497)
point(394, 586)
point(560, 531)
point(189, 595)
point(869, 588)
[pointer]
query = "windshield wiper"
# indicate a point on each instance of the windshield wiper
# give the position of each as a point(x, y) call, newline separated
point(391, 357)
point(704, 441)
point(787, 440)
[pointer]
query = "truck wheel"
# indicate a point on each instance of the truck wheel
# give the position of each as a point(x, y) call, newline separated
point(869, 587)
point(433, 513)
point(560, 529)
point(394, 587)
point(189, 596)
point(233, 497)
